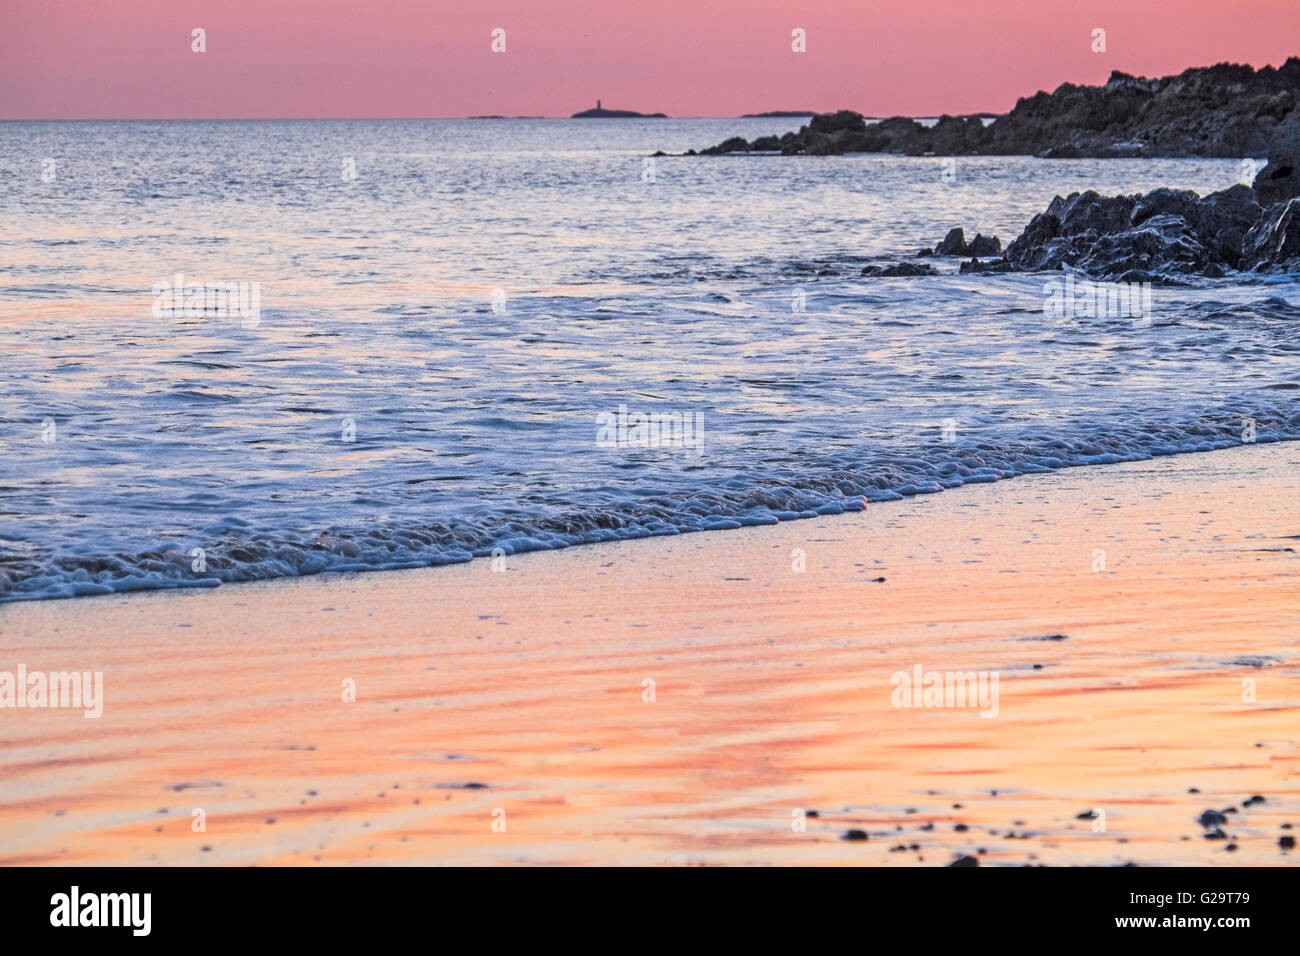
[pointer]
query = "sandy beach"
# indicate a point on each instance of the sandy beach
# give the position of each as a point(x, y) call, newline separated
point(504, 715)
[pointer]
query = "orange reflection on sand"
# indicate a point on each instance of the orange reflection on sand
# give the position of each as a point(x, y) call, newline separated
point(522, 691)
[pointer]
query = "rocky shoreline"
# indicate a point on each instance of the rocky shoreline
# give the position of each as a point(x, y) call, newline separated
point(1227, 110)
point(1164, 236)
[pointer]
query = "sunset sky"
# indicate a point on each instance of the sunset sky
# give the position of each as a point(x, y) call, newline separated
point(430, 58)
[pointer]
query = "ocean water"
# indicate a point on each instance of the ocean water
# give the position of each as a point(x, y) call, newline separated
point(439, 335)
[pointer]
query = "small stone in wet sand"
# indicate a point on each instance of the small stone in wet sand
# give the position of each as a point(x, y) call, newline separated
point(854, 835)
point(1211, 818)
point(965, 861)
point(1286, 842)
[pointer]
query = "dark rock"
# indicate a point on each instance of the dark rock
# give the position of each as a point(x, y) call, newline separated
point(1226, 110)
point(1279, 180)
point(1216, 834)
point(899, 269)
point(844, 120)
point(954, 244)
point(1222, 220)
point(1286, 842)
point(1164, 202)
point(984, 246)
point(1166, 235)
point(1274, 241)
point(1211, 818)
point(854, 835)
point(965, 861)
point(737, 144)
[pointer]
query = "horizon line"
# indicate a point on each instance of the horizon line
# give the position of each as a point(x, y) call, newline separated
point(492, 116)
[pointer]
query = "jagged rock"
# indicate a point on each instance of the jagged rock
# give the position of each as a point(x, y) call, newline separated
point(1165, 235)
point(1280, 179)
point(954, 244)
point(1275, 239)
point(1222, 220)
point(983, 246)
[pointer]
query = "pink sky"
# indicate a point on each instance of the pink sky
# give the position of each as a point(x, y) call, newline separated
point(412, 58)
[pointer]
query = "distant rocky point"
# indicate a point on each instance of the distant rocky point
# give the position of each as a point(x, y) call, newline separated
point(778, 113)
point(601, 113)
point(1228, 110)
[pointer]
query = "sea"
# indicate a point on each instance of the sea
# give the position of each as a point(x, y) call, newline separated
point(244, 350)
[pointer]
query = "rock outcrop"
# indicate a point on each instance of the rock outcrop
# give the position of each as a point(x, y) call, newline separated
point(1166, 235)
point(1274, 242)
point(1280, 179)
point(1228, 110)
point(955, 244)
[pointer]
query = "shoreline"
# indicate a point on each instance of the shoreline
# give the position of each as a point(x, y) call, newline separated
point(522, 690)
point(90, 588)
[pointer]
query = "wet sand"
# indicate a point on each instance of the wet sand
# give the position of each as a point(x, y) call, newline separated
point(521, 691)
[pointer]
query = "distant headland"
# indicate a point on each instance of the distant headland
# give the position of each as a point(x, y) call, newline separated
point(1227, 110)
point(600, 112)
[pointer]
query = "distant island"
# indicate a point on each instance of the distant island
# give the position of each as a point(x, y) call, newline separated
point(600, 112)
point(778, 113)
